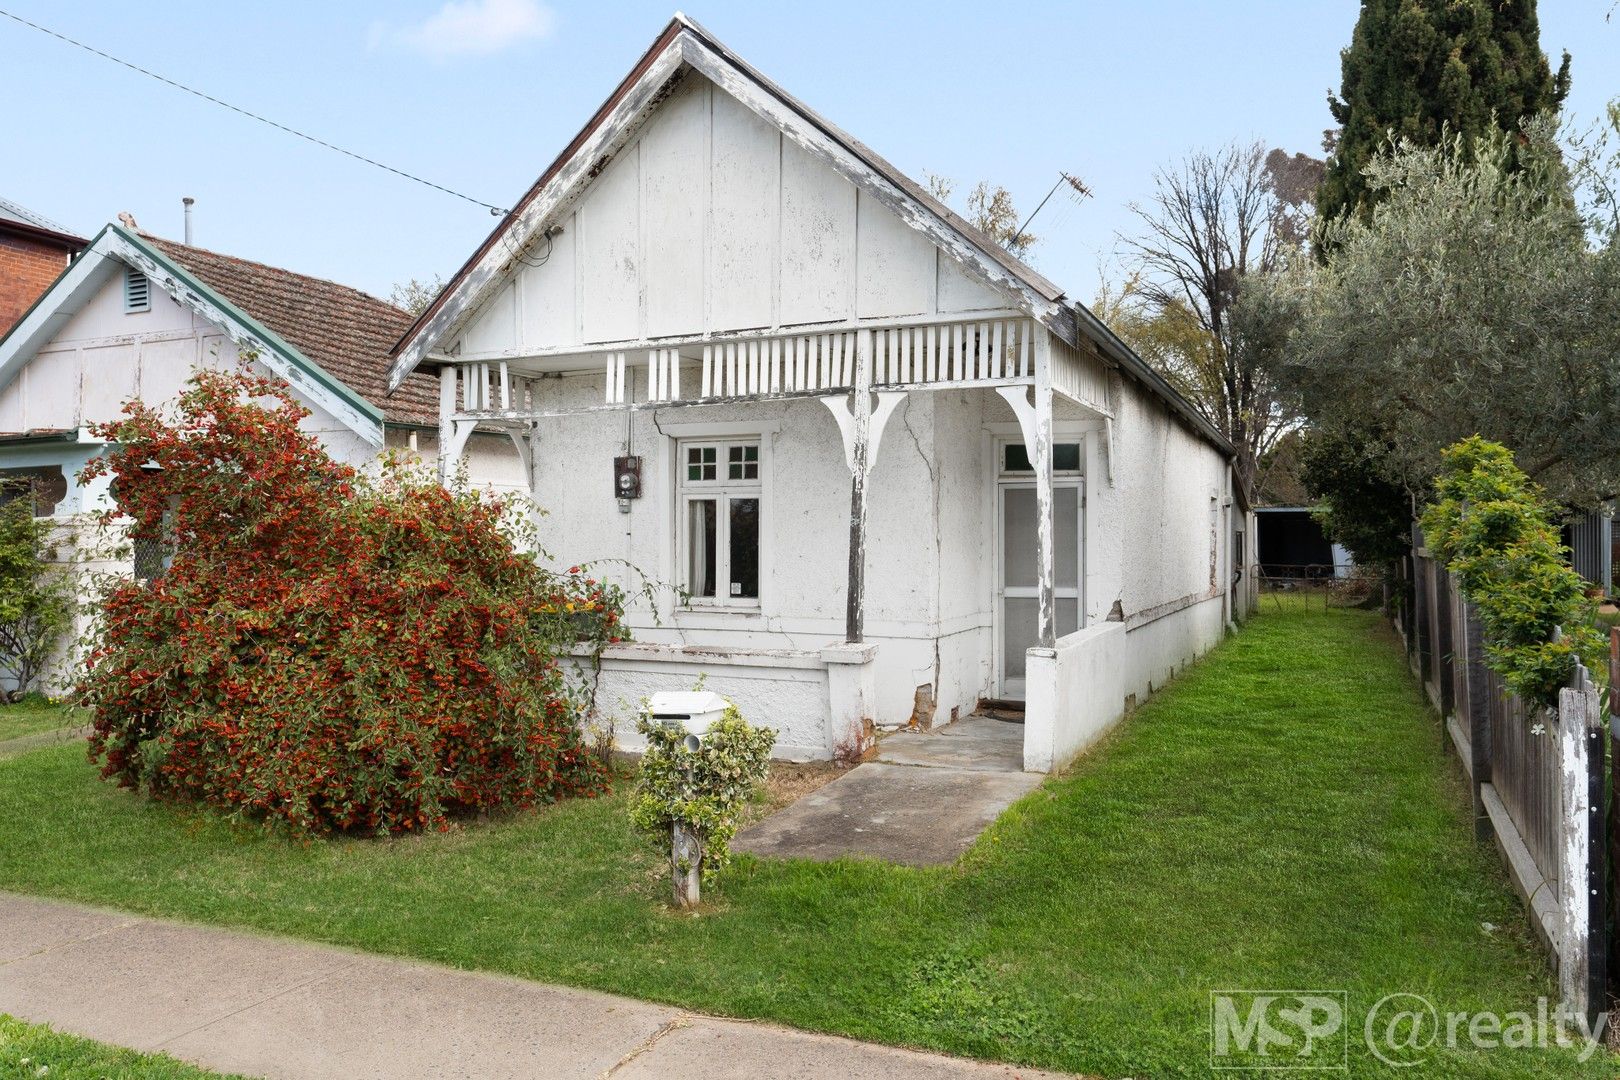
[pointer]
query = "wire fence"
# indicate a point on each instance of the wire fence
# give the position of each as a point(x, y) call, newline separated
point(1313, 584)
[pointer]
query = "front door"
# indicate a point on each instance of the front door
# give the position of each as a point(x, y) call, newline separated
point(1017, 601)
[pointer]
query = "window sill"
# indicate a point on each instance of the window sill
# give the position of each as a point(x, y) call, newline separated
point(704, 616)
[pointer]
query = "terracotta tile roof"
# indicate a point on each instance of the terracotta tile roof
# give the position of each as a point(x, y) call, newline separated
point(347, 332)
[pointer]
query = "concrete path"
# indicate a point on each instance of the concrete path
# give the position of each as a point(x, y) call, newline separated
point(287, 1010)
point(921, 802)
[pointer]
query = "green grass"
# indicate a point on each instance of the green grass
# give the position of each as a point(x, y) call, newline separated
point(1283, 816)
point(35, 1052)
point(33, 715)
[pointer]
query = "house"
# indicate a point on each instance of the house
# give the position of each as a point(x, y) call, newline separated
point(1294, 546)
point(1591, 541)
point(135, 315)
point(33, 251)
point(886, 469)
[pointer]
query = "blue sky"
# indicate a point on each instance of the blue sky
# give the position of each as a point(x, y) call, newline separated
point(480, 95)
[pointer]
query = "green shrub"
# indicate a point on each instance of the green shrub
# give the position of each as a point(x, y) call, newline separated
point(36, 597)
point(703, 788)
point(1492, 527)
point(328, 649)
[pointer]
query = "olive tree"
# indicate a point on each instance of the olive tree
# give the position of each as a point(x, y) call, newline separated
point(1474, 299)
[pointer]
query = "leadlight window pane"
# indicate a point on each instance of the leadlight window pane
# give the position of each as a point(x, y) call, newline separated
point(742, 463)
point(1065, 458)
point(700, 463)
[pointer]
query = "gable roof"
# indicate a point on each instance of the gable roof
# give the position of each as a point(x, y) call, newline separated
point(347, 332)
point(114, 249)
point(685, 45)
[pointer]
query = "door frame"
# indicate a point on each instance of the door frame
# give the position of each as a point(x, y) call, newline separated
point(1000, 482)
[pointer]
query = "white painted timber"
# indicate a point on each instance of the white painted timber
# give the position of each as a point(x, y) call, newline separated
point(707, 222)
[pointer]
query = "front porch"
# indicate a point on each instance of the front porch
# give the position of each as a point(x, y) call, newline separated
point(958, 562)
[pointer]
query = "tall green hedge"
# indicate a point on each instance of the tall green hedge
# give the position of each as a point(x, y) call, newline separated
point(1492, 527)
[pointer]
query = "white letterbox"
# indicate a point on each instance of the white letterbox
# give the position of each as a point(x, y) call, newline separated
point(692, 711)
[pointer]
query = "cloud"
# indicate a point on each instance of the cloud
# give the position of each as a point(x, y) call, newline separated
point(468, 28)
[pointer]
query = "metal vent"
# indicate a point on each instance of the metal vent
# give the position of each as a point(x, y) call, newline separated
point(137, 292)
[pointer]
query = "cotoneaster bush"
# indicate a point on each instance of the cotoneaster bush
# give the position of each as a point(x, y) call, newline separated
point(1492, 527)
point(328, 650)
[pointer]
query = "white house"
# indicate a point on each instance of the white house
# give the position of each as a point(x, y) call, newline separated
point(134, 316)
point(894, 471)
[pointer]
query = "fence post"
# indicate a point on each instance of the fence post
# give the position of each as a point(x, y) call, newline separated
point(1577, 714)
point(1612, 847)
point(1445, 657)
point(1479, 717)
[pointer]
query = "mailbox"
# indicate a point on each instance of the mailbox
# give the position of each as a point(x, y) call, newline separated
point(691, 711)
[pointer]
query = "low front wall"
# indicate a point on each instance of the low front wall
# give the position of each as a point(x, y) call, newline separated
point(816, 700)
point(1079, 689)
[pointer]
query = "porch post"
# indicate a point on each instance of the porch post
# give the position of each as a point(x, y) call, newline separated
point(860, 433)
point(1041, 459)
point(447, 405)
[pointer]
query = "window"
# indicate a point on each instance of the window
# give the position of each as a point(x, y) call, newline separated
point(46, 485)
point(719, 496)
point(137, 292)
point(1065, 458)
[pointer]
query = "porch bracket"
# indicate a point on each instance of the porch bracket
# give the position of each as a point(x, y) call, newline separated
point(839, 406)
point(1018, 398)
point(458, 443)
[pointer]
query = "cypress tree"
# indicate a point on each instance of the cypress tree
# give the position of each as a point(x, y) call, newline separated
point(1416, 67)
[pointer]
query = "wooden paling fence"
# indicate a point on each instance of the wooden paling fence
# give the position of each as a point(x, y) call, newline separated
point(1537, 778)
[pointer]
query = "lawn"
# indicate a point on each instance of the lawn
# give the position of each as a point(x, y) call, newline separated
point(1282, 816)
point(36, 714)
point(35, 1051)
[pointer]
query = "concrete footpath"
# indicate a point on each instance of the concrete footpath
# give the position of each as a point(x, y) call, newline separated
point(284, 1009)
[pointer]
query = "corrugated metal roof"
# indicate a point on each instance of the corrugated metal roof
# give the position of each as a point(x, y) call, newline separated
point(10, 211)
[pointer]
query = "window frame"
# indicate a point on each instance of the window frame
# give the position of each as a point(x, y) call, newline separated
point(722, 489)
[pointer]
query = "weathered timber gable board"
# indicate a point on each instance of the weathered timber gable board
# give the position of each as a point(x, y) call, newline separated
point(710, 221)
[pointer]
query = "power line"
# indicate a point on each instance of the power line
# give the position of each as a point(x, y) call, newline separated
point(493, 209)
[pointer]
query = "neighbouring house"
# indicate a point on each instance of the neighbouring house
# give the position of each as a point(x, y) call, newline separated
point(135, 315)
point(33, 252)
point(1590, 538)
point(1293, 546)
point(891, 470)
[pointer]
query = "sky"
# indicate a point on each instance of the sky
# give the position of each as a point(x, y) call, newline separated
point(480, 96)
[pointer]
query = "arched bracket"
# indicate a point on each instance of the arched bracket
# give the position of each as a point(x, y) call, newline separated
point(1018, 398)
point(844, 416)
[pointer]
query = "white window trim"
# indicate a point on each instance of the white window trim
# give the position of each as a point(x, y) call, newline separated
point(678, 494)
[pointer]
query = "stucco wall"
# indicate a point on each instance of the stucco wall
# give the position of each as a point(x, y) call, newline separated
point(911, 602)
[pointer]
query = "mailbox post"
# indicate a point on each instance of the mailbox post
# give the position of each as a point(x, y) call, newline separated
point(694, 712)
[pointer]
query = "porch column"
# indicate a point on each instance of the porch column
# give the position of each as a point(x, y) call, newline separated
point(859, 448)
point(447, 405)
point(453, 434)
point(1040, 457)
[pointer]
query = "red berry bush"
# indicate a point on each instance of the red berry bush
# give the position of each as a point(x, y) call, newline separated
point(327, 649)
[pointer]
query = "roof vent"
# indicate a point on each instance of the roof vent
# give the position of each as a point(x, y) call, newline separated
point(137, 292)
